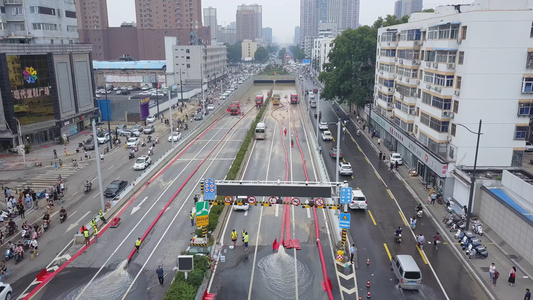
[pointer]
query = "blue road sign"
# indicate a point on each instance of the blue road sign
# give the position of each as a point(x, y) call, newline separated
point(306, 61)
point(210, 189)
point(346, 195)
point(344, 221)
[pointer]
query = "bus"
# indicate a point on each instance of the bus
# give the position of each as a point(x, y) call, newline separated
point(260, 131)
point(275, 99)
point(294, 98)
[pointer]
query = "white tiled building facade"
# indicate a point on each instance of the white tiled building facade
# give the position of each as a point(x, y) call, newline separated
point(321, 49)
point(456, 66)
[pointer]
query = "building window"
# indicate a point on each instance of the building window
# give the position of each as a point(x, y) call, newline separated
point(531, 32)
point(527, 85)
point(446, 31)
point(455, 106)
point(463, 32)
point(187, 51)
point(521, 132)
point(435, 124)
point(461, 57)
point(410, 35)
point(453, 129)
point(188, 66)
point(524, 109)
point(458, 82)
point(451, 152)
point(529, 62)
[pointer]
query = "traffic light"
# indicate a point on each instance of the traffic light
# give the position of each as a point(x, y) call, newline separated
point(202, 186)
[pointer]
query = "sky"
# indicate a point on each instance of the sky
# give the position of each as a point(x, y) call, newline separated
point(280, 15)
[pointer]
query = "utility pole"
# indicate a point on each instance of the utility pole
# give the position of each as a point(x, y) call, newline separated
point(181, 88)
point(108, 116)
point(157, 93)
point(21, 144)
point(98, 167)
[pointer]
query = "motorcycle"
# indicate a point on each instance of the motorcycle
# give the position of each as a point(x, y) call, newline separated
point(131, 155)
point(149, 139)
point(41, 194)
point(62, 217)
point(419, 214)
point(10, 230)
point(480, 252)
point(46, 223)
point(88, 188)
point(150, 152)
point(186, 126)
point(157, 140)
point(9, 254)
point(398, 238)
point(143, 144)
point(18, 257)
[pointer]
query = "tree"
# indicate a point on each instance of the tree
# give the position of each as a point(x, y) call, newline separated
point(281, 53)
point(234, 52)
point(349, 75)
point(298, 53)
point(428, 10)
point(261, 54)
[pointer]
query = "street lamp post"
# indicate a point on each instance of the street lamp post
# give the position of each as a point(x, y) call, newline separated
point(21, 144)
point(108, 116)
point(317, 113)
point(473, 178)
point(157, 94)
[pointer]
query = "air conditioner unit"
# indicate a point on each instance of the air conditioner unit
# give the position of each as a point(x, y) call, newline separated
point(396, 59)
point(400, 77)
point(437, 89)
point(457, 93)
point(428, 64)
point(435, 65)
point(459, 40)
point(389, 104)
point(428, 86)
point(451, 66)
point(447, 114)
point(381, 72)
point(416, 62)
point(417, 82)
point(418, 43)
point(11, 34)
point(380, 87)
point(401, 61)
point(401, 97)
point(388, 43)
point(390, 90)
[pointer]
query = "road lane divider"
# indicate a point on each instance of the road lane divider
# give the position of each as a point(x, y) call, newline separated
point(372, 217)
point(388, 252)
point(422, 254)
point(403, 218)
point(377, 175)
point(366, 158)
point(390, 194)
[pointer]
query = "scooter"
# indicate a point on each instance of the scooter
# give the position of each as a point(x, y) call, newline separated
point(62, 217)
point(131, 155)
point(10, 231)
point(419, 214)
point(398, 238)
point(480, 252)
point(46, 223)
point(9, 254)
point(88, 188)
point(18, 258)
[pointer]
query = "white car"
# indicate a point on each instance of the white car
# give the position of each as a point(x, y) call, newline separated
point(396, 157)
point(345, 168)
point(211, 107)
point(103, 138)
point(145, 93)
point(323, 125)
point(150, 119)
point(176, 136)
point(132, 142)
point(142, 162)
point(327, 136)
point(358, 200)
point(244, 206)
point(6, 292)
point(529, 147)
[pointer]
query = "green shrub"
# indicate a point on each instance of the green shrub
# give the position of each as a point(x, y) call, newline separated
point(181, 290)
point(195, 277)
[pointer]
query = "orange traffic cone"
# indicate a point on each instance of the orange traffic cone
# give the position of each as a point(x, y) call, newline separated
point(368, 261)
point(368, 294)
point(368, 284)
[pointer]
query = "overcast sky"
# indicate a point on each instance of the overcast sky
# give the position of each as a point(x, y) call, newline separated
point(280, 15)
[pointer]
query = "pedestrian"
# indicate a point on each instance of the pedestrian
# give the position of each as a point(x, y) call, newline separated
point(28, 201)
point(192, 218)
point(495, 278)
point(95, 234)
point(433, 197)
point(285, 131)
point(82, 229)
point(138, 244)
point(352, 252)
point(379, 141)
point(87, 237)
point(86, 154)
point(413, 223)
point(246, 242)
point(527, 296)
point(512, 276)
point(234, 238)
point(160, 274)
point(21, 210)
point(292, 143)
point(391, 166)
point(101, 215)
point(55, 154)
point(319, 149)
point(243, 233)
point(396, 165)
point(492, 269)
point(101, 156)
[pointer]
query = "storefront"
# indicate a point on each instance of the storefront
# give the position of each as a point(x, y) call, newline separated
point(78, 124)
point(430, 168)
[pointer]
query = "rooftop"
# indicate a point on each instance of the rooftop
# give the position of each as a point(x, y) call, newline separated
point(130, 65)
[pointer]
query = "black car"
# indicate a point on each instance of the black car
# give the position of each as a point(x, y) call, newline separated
point(115, 188)
point(88, 145)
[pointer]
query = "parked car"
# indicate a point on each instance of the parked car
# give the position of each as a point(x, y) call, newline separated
point(150, 119)
point(333, 153)
point(211, 107)
point(396, 157)
point(103, 137)
point(132, 142)
point(142, 162)
point(358, 200)
point(136, 130)
point(244, 206)
point(176, 136)
point(115, 187)
point(327, 136)
point(150, 128)
point(123, 130)
point(323, 125)
point(198, 116)
point(345, 168)
point(529, 146)
point(5, 291)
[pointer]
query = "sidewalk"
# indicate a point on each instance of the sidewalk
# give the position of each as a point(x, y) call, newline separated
point(500, 253)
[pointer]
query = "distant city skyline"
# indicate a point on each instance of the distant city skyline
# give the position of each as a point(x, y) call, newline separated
point(281, 16)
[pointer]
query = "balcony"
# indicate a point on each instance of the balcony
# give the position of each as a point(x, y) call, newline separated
point(439, 137)
point(384, 104)
point(403, 115)
point(387, 59)
point(390, 44)
point(410, 99)
point(12, 2)
point(410, 44)
point(385, 74)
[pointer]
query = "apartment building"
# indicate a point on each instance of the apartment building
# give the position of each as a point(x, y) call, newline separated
point(249, 22)
point(444, 71)
point(321, 48)
point(196, 63)
point(92, 25)
point(248, 48)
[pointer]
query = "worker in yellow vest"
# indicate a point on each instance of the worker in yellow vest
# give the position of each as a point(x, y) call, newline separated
point(234, 237)
point(192, 218)
point(86, 235)
point(245, 241)
point(138, 244)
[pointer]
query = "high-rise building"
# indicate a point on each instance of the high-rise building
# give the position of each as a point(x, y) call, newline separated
point(267, 35)
point(407, 7)
point(322, 11)
point(350, 14)
point(227, 35)
point(249, 22)
point(92, 25)
point(297, 35)
point(31, 22)
point(427, 94)
point(210, 20)
point(249, 48)
point(308, 24)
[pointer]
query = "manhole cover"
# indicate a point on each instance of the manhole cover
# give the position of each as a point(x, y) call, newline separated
point(484, 269)
point(512, 256)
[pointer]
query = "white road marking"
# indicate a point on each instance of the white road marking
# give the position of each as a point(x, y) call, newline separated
point(75, 224)
point(111, 167)
point(276, 210)
point(96, 195)
point(94, 179)
point(136, 208)
point(246, 213)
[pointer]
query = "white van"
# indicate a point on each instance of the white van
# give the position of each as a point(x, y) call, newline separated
point(407, 271)
point(358, 200)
